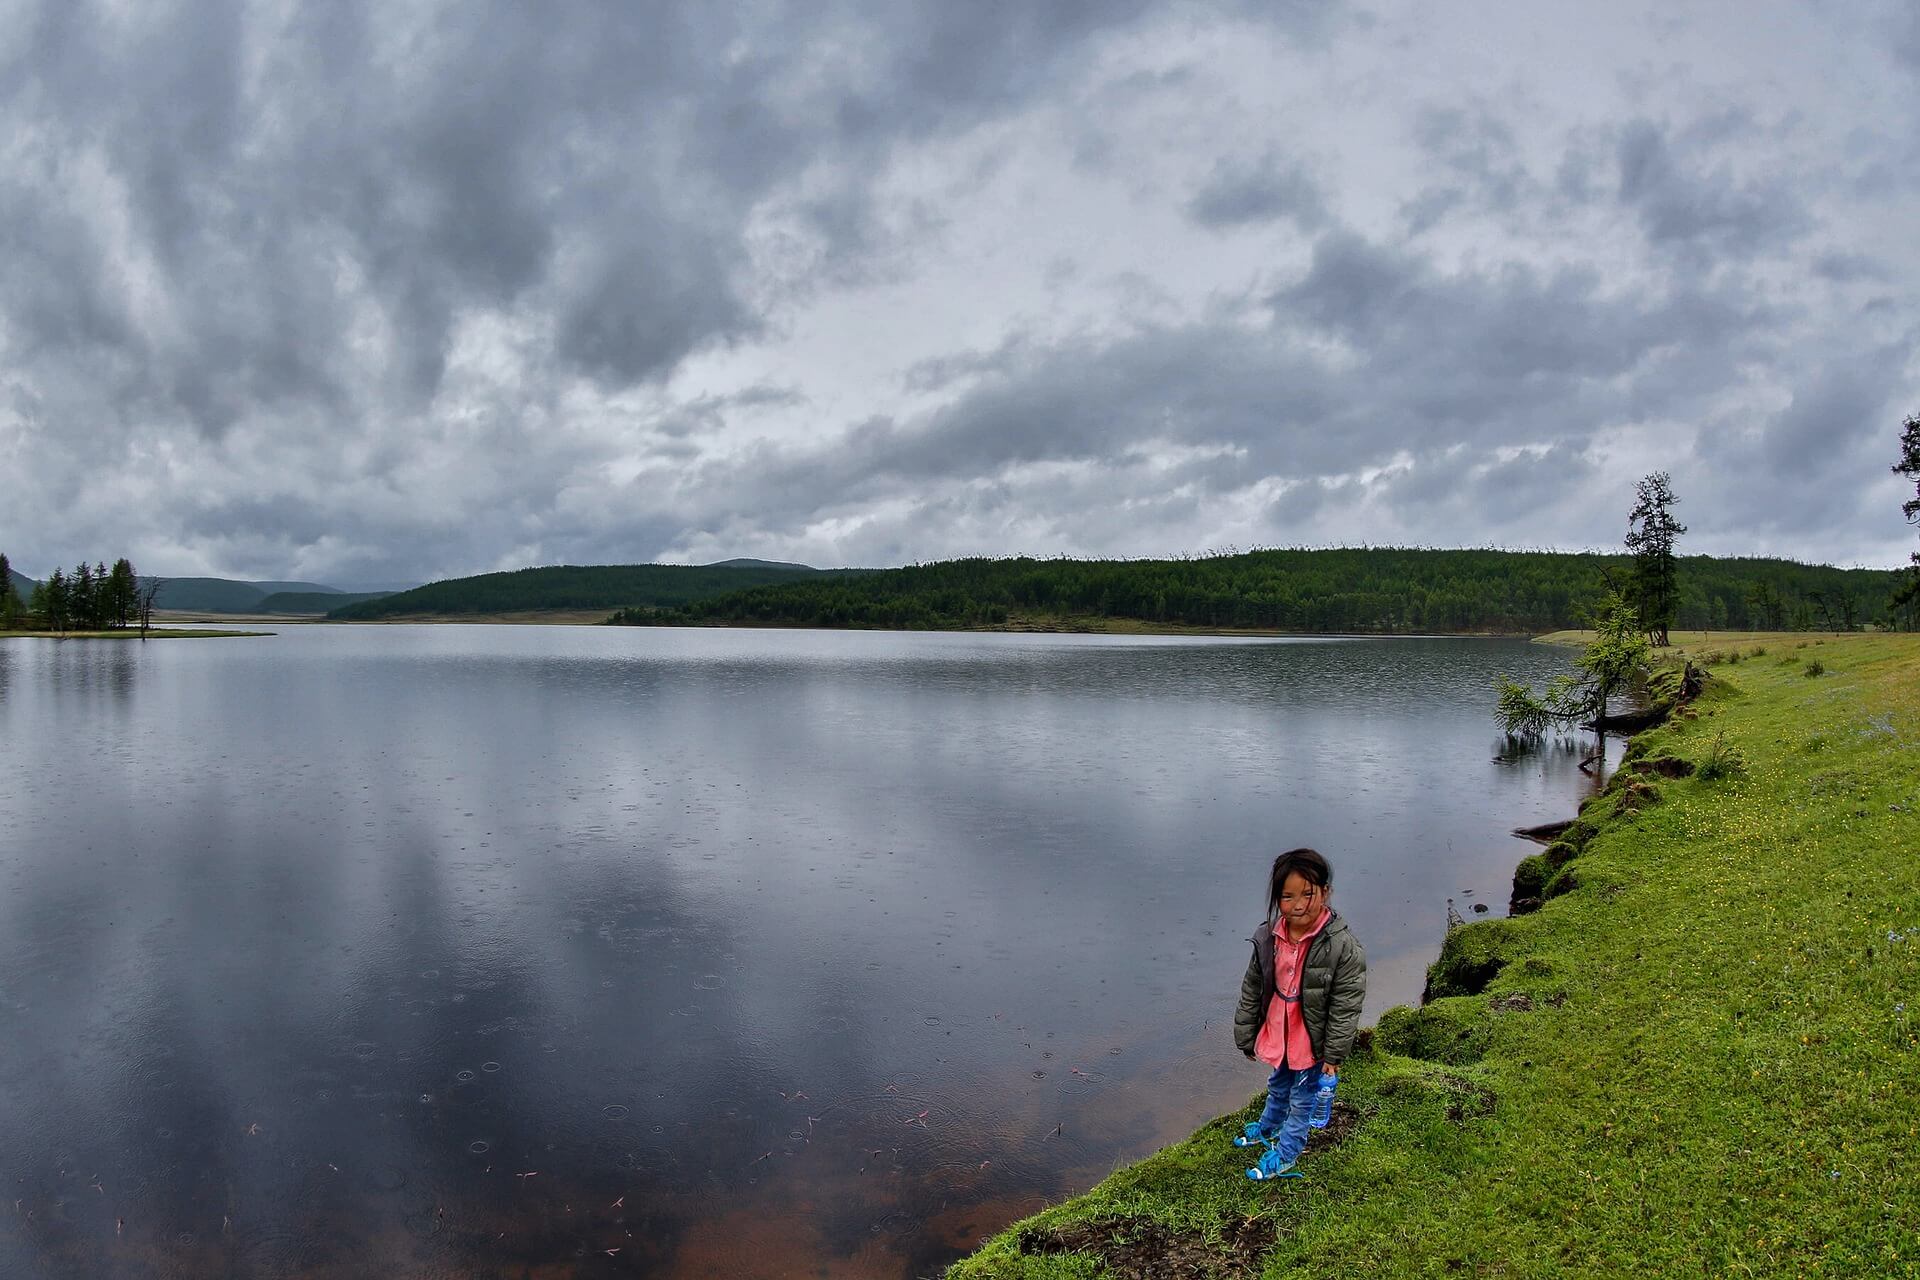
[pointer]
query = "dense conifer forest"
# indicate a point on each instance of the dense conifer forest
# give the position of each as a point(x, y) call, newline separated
point(1369, 591)
point(91, 597)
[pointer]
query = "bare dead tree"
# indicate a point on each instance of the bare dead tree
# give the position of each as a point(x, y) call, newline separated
point(143, 597)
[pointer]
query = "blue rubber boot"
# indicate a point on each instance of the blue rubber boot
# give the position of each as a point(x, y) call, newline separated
point(1272, 1165)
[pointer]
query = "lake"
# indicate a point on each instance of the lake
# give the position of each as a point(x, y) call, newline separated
point(472, 951)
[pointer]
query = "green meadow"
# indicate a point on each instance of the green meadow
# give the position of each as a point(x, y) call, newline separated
point(1699, 1056)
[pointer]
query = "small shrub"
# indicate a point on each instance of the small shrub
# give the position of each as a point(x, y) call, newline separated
point(1758, 651)
point(1733, 656)
point(1722, 761)
point(1815, 668)
point(1815, 745)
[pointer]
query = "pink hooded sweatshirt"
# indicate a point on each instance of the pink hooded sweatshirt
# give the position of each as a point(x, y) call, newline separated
point(1283, 1038)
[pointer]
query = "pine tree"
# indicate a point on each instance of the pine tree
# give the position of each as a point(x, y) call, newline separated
point(1651, 533)
point(81, 598)
point(11, 607)
point(51, 600)
point(1909, 466)
point(122, 593)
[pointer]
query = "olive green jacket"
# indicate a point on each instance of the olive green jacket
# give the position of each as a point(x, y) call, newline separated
point(1333, 986)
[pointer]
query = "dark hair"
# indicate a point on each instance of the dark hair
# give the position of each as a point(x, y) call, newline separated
point(1312, 867)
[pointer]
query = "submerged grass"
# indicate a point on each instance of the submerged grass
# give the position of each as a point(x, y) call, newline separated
point(1699, 1060)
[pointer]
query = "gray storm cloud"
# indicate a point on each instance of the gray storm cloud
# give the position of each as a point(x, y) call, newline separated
point(352, 291)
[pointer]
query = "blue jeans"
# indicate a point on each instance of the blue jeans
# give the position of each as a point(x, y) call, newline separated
point(1289, 1103)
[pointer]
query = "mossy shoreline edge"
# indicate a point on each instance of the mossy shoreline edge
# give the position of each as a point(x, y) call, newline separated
point(1694, 1058)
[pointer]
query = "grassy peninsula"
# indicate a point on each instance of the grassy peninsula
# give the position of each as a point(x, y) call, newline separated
point(1701, 1056)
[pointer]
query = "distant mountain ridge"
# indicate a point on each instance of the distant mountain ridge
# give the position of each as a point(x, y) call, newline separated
point(556, 588)
point(218, 595)
point(547, 589)
point(234, 595)
point(748, 563)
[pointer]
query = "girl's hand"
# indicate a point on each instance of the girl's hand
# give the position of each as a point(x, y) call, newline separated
point(1331, 1068)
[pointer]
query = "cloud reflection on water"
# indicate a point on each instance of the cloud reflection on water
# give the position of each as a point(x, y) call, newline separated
point(305, 884)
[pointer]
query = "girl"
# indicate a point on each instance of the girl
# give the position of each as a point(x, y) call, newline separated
point(1299, 1004)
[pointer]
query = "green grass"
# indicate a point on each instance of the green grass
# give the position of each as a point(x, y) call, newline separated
point(1718, 1073)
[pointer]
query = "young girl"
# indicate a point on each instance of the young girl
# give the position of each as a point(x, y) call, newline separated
point(1299, 1004)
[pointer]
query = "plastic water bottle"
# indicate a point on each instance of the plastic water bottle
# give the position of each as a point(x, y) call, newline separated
point(1323, 1102)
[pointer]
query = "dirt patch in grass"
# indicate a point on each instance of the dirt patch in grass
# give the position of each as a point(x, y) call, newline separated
point(1665, 766)
point(1470, 1101)
point(1346, 1118)
point(1636, 795)
point(1137, 1248)
point(1142, 1249)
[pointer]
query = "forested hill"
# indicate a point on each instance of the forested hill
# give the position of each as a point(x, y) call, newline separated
point(1380, 590)
point(226, 595)
point(557, 587)
point(314, 602)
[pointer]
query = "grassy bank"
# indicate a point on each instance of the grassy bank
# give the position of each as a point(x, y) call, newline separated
point(1096, 624)
point(1698, 1058)
point(1706, 641)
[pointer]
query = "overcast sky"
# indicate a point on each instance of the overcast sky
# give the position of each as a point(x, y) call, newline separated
point(358, 292)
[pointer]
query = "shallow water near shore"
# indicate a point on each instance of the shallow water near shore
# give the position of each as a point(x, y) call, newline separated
point(481, 951)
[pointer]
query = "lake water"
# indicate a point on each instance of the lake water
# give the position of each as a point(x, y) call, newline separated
point(472, 951)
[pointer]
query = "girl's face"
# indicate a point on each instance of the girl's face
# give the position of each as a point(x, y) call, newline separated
point(1300, 900)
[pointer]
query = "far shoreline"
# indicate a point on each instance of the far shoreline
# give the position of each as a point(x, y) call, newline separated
point(1013, 626)
point(1017, 626)
point(131, 633)
point(1025, 626)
